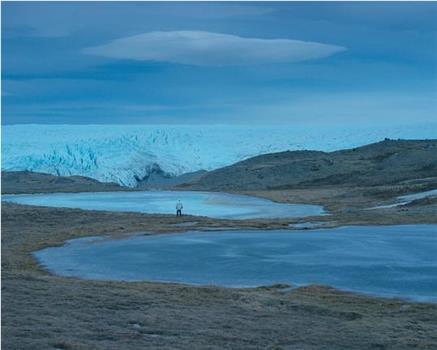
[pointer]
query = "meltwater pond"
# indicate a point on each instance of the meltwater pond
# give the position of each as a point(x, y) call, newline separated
point(212, 204)
point(394, 261)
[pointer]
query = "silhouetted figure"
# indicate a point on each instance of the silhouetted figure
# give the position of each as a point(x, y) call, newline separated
point(179, 208)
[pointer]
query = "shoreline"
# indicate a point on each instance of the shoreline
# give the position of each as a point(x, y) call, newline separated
point(251, 225)
point(284, 286)
point(73, 313)
point(129, 315)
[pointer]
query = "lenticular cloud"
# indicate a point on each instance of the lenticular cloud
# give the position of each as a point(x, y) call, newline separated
point(211, 49)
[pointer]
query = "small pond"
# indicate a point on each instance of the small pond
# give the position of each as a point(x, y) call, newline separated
point(393, 261)
point(212, 204)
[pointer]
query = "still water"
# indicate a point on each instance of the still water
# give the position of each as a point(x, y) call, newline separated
point(212, 204)
point(393, 261)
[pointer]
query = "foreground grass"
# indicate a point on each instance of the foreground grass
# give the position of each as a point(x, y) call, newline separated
point(42, 311)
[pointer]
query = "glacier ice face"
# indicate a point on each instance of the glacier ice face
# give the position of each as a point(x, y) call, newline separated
point(124, 153)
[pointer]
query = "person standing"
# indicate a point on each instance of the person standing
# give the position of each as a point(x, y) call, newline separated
point(179, 208)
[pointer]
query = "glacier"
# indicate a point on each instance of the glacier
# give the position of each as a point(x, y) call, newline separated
point(127, 153)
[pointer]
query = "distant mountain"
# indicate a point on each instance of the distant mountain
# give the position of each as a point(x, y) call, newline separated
point(143, 155)
point(386, 162)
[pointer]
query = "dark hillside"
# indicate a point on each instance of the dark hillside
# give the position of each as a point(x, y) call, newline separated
point(383, 163)
point(30, 182)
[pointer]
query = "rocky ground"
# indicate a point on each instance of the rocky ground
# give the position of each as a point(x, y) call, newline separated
point(351, 205)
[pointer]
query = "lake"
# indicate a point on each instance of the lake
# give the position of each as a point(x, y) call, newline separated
point(392, 261)
point(211, 204)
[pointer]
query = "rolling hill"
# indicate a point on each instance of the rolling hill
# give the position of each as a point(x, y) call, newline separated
point(384, 163)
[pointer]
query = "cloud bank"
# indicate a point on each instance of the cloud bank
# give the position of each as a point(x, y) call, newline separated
point(211, 49)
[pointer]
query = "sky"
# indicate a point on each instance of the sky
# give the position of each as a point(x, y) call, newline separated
point(337, 63)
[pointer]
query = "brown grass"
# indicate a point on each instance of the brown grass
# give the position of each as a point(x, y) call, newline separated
point(42, 311)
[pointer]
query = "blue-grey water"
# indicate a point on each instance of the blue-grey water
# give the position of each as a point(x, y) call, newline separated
point(212, 204)
point(393, 261)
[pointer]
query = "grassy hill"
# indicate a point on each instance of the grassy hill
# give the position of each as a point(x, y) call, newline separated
point(384, 163)
point(31, 182)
